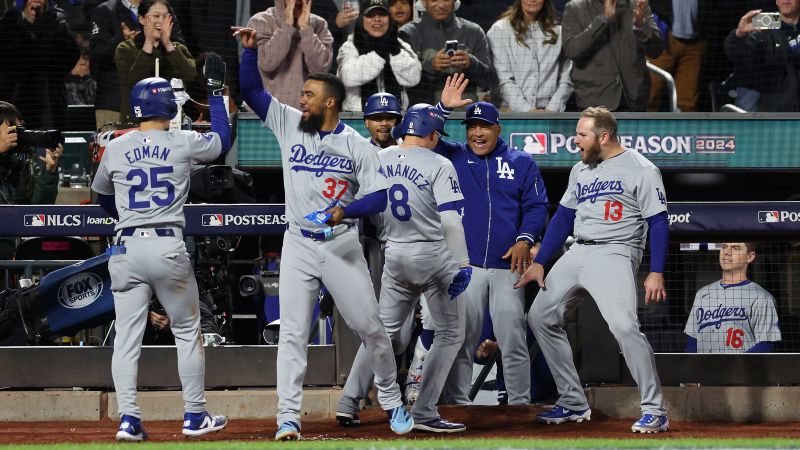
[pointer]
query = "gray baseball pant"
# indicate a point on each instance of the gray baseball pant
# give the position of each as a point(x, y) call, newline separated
point(413, 269)
point(339, 264)
point(160, 265)
point(494, 287)
point(607, 273)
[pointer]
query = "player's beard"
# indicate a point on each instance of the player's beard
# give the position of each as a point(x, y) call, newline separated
point(312, 124)
point(591, 155)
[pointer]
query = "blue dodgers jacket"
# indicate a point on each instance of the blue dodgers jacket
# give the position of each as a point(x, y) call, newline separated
point(504, 200)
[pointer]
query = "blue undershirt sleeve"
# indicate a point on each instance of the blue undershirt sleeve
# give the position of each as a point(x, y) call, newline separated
point(557, 232)
point(108, 204)
point(659, 241)
point(367, 205)
point(253, 91)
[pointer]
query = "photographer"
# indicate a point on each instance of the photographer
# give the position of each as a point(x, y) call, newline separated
point(38, 53)
point(22, 179)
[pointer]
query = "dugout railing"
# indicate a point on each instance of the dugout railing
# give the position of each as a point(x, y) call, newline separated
point(254, 365)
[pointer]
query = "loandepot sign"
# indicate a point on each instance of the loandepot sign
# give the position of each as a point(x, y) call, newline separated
point(673, 141)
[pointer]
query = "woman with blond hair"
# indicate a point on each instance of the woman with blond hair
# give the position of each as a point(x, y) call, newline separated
point(533, 73)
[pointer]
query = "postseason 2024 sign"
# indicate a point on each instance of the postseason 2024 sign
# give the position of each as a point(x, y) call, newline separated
point(671, 141)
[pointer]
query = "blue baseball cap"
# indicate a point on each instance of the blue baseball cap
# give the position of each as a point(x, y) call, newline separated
point(483, 111)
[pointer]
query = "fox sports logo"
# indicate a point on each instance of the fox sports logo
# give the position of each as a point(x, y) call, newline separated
point(80, 290)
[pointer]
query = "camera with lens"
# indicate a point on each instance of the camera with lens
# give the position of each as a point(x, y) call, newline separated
point(37, 138)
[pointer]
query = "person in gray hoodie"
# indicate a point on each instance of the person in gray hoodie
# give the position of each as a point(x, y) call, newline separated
point(292, 43)
point(428, 35)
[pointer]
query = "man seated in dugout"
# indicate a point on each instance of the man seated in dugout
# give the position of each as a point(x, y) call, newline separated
point(734, 314)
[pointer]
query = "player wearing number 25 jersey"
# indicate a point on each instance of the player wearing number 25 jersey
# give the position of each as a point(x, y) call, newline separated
point(143, 178)
point(614, 195)
point(733, 315)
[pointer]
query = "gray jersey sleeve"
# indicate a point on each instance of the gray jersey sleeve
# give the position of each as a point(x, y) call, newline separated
point(691, 323)
point(283, 121)
point(569, 199)
point(765, 318)
point(651, 192)
point(102, 183)
point(367, 167)
point(446, 188)
point(205, 147)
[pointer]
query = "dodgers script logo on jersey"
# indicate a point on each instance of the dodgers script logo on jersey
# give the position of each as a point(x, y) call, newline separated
point(318, 164)
point(598, 188)
point(717, 316)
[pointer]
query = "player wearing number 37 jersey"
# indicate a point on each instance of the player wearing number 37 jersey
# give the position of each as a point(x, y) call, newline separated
point(614, 196)
point(324, 162)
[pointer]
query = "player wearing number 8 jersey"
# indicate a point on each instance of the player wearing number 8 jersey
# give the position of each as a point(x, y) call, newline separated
point(424, 248)
point(614, 196)
point(143, 177)
point(323, 161)
point(733, 315)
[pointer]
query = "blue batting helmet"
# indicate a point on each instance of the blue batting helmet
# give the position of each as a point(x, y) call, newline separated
point(382, 103)
point(153, 97)
point(421, 119)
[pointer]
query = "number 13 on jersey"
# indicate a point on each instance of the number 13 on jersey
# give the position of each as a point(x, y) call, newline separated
point(613, 211)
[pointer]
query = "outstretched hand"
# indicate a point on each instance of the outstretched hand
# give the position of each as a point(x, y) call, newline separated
point(247, 35)
point(534, 273)
point(454, 88)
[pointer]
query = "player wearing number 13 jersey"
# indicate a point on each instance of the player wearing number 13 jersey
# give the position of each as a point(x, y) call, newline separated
point(614, 196)
point(733, 315)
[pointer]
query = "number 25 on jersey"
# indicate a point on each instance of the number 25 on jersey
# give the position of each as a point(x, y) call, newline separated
point(151, 181)
point(613, 211)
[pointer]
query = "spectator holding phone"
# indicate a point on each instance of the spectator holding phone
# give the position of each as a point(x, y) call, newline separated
point(775, 53)
point(374, 59)
point(428, 36)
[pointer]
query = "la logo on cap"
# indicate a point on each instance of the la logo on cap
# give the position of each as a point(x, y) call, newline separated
point(383, 101)
point(477, 111)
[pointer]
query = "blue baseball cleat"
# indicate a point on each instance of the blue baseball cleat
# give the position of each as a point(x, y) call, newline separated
point(400, 420)
point(131, 429)
point(439, 425)
point(559, 414)
point(198, 424)
point(651, 423)
point(288, 431)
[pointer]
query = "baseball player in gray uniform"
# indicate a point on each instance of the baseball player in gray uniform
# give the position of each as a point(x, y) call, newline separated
point(733, 315)
point(614, 196)
point(331, 178)
point(143, 178)
point(425, 253)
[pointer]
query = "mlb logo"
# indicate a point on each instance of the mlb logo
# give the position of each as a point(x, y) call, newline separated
point(212, 220)
point(535, 143)
point(34, 220)
point(769, 216)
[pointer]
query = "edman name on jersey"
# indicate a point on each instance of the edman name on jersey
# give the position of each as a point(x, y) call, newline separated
point(597, 189)
point(318, 164)
point(715, 317)
point(146, 152)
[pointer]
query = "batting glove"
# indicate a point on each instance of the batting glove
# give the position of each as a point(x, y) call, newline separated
point(460, 282)
point(214, 72)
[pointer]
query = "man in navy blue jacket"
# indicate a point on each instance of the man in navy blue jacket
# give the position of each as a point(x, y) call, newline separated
point(504, 214)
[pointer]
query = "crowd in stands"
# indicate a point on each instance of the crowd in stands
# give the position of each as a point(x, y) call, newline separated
point(522, 55)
